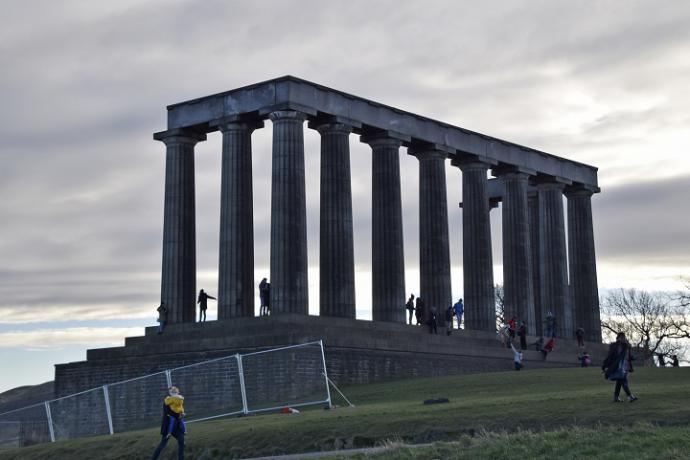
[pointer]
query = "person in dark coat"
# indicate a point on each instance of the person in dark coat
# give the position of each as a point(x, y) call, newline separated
point(522, 333)
point(617, 366)
point(172, 423)
point(419, 311)
point(432, 321)
point(450, 312)
point(580, 335)
point(674, 361)
point(162, 317)
point(203, 304)
point(264, 294)
point(660, 358)
point(410, 308)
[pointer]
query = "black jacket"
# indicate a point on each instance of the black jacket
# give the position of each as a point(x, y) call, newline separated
point(615, 356)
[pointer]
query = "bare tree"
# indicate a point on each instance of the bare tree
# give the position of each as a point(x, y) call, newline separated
point(680, 319)
point(648, 319)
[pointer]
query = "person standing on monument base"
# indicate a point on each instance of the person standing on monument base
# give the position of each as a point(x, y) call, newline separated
point(449, 319)
point(410, 309)
point(203, 304)
point(432, 321)
point(162, 317)
point(264, 296)
point(419, 311)
point(522, 333)
point(580, 335)
point(459, 310)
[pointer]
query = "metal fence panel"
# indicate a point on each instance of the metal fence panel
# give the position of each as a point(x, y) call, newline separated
point(24, 427)
point(290, 376)
point(136, 403)
point(210, 388)
point(79, 415)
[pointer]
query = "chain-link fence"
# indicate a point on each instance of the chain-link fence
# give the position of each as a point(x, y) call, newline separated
point(238, 384)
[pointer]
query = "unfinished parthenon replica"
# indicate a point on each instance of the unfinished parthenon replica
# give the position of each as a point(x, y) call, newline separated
point(542, 272)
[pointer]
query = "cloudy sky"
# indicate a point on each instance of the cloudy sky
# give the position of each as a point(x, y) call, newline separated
point(84, 84)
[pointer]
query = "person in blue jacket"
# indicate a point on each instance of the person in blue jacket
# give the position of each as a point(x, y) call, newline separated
point(459, 310)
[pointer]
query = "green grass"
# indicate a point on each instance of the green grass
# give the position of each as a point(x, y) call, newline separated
point(498, 415)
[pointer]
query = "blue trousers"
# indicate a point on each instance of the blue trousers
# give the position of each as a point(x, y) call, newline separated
point(164, 440)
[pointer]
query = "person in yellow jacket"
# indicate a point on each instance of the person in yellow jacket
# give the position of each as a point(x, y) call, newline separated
point(172, 423)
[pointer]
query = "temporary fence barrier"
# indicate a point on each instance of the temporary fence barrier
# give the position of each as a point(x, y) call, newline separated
point(261, 381)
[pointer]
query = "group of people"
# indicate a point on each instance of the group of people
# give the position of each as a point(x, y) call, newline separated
point(203, 298)
point(417, 309)
point(661, 358)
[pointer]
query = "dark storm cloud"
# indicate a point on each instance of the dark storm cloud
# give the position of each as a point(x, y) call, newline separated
point(84, 84)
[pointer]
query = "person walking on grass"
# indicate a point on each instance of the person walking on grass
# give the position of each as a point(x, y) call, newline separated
point(409, 306)
point(172, 423)
point(517, 358)
point(203, 304)
point(617, 366)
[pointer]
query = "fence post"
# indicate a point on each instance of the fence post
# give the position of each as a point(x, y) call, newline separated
point(168, 378)
point(325, 373)
point(107, 408)
point(240, 370)
point(50, 422)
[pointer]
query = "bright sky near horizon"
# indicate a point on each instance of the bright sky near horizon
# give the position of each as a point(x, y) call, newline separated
point(84, 85)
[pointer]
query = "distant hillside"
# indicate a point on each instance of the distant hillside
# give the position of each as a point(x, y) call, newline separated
point(25, 396)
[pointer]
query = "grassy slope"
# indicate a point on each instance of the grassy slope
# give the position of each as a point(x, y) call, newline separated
point(532, 400)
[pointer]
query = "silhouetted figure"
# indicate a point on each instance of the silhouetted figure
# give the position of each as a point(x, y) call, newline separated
point(419, 311)
point(264, 296)
point(450, 312)
point(512, 327)
point(617, 366)
point(410, 308)
point(539, 344)
point(580, 335)
point(522, 333)
point(459, 310)
point(550, 326)
point(432, 321)
point(203, 304)
point(162, 317)
point(172, 423)
point(660, 358)
point(674, 361)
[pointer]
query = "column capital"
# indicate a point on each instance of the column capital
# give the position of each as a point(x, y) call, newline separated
point(580, 190)
point(426, 153)
point(470, 165)
point(512, 172)
point(544, 182)
point(333, 127)
point(180, 136)
point(236, 123)
point(384, 137)
point(285, 115)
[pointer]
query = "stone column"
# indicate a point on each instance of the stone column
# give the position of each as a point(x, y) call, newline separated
point(434, 252)
point(583, 265)
point(388, 259)
point(236, 263)
point(289, 285)
point(517, 263)
point(478, 279)
point(178, 276)
point(533, 205)
point(553, 270)
point(337, 258)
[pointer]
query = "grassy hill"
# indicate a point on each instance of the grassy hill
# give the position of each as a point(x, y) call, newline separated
point(537, 412)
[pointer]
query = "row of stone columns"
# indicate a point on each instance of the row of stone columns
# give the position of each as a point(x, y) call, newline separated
point(534, 250)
